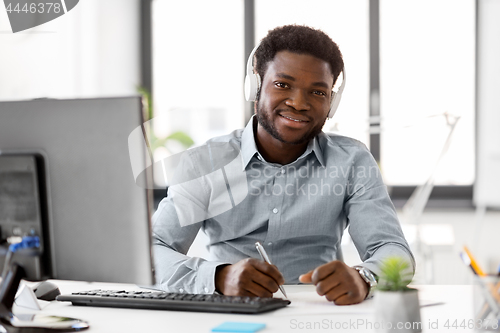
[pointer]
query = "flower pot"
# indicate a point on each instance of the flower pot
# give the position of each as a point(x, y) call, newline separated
point(397, 311)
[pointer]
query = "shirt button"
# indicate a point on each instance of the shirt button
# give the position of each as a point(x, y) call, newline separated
point(181, 290)
point(282, 171)
point(275, 210)
point(206, 290)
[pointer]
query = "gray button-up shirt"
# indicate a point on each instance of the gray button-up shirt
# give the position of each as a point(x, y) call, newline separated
point(299, 211)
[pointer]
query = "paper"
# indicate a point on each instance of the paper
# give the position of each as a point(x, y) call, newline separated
point(308, 303)
point(311, 303)
point(26, 298)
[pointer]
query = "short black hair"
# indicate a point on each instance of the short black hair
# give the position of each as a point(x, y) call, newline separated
point(302, 40)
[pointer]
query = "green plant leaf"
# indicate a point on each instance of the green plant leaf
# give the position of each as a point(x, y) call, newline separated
point(395, 275)
point(182, 137)
point(156, 143)
point(147, 101)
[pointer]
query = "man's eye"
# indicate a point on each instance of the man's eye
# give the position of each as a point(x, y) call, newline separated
point(319, 93)
point(281, 85)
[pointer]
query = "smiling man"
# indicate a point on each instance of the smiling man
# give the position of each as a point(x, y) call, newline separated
point(305, 188)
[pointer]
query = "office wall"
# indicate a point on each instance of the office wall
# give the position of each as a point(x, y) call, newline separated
point(91, 51)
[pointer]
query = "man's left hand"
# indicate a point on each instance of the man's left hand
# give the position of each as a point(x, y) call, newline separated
point(338, 282)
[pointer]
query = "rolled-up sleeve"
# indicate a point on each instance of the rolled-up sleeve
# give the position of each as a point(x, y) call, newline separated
point(174, 270)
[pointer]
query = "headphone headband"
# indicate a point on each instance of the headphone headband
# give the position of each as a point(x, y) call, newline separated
point(253, 82)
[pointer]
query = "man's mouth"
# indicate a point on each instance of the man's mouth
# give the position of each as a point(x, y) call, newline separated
point(294, 119)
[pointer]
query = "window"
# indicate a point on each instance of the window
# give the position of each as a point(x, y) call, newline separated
point(427, 67)
point(198, 67)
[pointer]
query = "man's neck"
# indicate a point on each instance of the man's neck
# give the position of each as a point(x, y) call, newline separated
point(275, 151)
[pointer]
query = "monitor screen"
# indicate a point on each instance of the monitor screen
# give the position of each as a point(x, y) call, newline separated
point(98, 217)
point(23, 211)
point(17, 186)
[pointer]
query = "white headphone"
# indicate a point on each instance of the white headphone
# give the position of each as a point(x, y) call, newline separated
point(253, 82)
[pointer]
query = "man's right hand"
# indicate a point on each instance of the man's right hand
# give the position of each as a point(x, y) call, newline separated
point(248, 277)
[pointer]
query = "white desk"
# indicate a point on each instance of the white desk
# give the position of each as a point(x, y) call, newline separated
point(307, 314)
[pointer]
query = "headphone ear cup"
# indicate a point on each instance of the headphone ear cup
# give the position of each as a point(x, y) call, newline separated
point(252, 86)
point(336, 96)
point(334, 104)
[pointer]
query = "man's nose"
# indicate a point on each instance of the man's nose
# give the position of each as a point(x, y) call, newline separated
point(298, 100)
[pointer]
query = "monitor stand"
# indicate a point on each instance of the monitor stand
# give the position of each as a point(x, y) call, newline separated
point(28, 323)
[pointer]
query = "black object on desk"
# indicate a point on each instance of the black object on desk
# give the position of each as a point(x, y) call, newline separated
point(46, 291)
point(174, 301)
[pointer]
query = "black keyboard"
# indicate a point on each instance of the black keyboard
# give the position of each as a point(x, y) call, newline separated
point(158, 300)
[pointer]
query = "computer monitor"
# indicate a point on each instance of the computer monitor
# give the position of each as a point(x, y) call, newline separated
point(98, 218)
point(24, 212)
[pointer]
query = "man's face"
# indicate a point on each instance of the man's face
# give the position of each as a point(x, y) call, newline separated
point(295, 97)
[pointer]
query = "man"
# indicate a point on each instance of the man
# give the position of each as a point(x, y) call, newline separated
point(304, 188)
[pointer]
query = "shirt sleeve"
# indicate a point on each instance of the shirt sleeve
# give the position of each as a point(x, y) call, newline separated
point(373, 223)
point(174, 270)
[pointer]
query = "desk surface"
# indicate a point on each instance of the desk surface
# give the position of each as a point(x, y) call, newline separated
point(307, 313)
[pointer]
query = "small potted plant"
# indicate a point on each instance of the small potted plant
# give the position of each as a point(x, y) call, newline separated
point(397, 308)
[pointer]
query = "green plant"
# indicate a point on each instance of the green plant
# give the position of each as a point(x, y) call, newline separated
point(395, 275)
point(183, 138)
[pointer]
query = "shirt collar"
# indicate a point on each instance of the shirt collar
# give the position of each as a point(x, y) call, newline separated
point(249, 149)
point(316, 149)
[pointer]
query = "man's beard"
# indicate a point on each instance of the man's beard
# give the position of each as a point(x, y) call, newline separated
point(268, 125)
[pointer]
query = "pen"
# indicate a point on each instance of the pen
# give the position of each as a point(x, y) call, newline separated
point(466, 259)
point(469, 260)
point(489, 291)
point(265, 257)
point(473, 263)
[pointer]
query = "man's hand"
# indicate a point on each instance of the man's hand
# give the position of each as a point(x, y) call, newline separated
point(338, 282)
point(248, 277)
